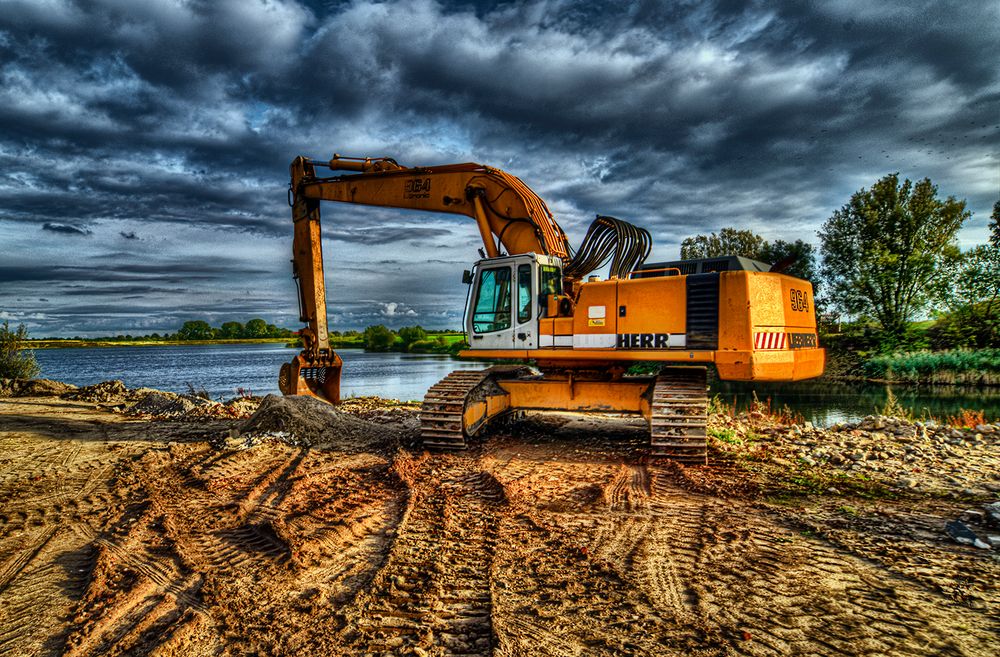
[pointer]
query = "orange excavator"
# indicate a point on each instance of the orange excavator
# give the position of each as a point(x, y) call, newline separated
point(532, 300)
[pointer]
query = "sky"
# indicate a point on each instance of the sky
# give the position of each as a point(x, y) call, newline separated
point(144, 146)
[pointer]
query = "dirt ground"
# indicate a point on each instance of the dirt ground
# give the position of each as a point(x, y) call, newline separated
point(552, 536)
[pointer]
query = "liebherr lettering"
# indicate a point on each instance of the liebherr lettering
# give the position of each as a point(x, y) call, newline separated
point(643, 340)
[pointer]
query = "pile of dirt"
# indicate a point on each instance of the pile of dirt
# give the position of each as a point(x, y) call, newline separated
point(309, 421)
point(383, 411)
point(106, 392)
point(161, 404)
point(239, 408)
point(33, 388)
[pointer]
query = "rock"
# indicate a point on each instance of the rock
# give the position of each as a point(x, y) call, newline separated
point(807, 426)
point(907, 482)
point(808, 460)
point(857, 455)
point(959, 531)
point(993, 513)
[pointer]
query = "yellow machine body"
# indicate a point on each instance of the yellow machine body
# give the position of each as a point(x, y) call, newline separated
point(765, 327)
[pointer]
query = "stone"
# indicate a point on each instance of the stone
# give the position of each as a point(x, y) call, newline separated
point(907, 482)
point(993, 513)
point(959, 531)
point(807, 426)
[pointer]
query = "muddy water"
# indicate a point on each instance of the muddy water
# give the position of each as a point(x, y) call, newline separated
point(222, 369)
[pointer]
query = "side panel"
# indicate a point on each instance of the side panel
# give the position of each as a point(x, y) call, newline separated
point(595, 322)
point(652, 313)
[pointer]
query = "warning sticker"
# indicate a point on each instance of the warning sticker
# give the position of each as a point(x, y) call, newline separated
point(595, 322)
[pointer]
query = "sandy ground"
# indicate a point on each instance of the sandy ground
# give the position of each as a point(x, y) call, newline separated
point(552, 536)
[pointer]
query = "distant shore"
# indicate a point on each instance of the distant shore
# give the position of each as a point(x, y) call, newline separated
point(62, 344)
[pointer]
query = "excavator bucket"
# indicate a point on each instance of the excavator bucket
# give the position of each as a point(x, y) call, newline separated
point(299, 378)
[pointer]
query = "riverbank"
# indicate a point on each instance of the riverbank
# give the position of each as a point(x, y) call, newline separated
point(70, 343)
point(186, 533)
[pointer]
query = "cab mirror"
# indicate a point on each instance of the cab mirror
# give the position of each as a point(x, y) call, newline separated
point(467, 277)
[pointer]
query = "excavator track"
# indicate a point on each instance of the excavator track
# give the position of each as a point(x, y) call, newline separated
point(443, 408)
point(679, 418)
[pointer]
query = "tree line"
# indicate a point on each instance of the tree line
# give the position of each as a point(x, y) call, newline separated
point(889, 255)
point(254, 329)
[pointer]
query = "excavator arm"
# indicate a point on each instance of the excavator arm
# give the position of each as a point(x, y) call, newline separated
point(510, 218)
point(509, 215)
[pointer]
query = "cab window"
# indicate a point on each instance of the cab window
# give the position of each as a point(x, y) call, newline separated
point(492, 311)
point(551, 282)
point(523, 293)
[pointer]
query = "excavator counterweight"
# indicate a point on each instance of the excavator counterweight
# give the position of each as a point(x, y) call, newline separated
point(529, 302)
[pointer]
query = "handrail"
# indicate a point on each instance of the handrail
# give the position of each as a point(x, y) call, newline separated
point(632, 274)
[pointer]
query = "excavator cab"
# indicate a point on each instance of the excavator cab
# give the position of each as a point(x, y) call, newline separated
point(508, 297)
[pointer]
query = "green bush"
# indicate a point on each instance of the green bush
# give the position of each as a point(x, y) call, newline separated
point(378, 338)
point(955, 366)
point(971, 327)
point(410, 335)
point(423, 347)
point(16, 360)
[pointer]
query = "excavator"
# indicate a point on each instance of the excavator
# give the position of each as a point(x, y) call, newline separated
point(533, 299)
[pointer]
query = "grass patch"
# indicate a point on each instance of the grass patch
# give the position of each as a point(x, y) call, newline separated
point(967, 366)
point(726, 436)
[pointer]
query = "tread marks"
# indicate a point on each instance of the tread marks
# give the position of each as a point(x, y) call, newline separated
point(434, 587)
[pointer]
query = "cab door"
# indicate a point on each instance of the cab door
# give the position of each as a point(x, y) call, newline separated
point(491, 321)
point(525, 318)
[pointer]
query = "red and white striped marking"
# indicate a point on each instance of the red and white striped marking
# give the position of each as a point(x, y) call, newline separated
point(769, 340)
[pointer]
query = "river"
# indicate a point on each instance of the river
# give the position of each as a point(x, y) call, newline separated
point(222, 369)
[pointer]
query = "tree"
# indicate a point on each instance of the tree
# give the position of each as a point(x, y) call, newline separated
point(995, 226)
point(255, 328)
point(378, 338)
point(881, 251)
point(16, 360)
point(196, 330)
point(231, 330)
point(411, 334)
point(729, 241)
point(801, 254)
point(746, 243)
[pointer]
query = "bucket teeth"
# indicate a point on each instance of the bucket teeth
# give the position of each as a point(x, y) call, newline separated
point(679, 418)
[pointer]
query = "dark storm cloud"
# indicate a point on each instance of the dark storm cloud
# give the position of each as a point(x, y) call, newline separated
point(176, 122)
point(66, 229)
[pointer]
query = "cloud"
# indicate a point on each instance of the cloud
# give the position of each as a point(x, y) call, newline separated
point(66, 229)
point(393, 309)
point(166, 129)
